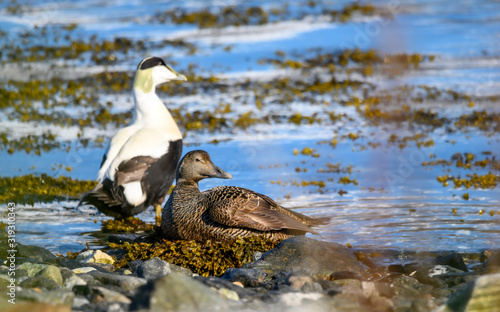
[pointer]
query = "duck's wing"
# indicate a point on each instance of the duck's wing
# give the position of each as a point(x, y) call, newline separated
point(133, 169)
point(240, 207)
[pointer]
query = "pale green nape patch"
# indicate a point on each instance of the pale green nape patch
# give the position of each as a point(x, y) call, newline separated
point(144, 80)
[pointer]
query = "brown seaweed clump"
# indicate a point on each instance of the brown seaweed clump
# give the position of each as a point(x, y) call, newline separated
point(210, 258)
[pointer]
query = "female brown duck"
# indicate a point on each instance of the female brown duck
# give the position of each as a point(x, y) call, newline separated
point(226, 212)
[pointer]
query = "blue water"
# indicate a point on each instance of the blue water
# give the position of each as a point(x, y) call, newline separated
point(398, 202)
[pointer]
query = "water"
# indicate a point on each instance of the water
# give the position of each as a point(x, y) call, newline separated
point(398, 203)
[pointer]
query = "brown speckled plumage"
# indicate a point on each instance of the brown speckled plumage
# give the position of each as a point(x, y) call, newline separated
point(225, 212)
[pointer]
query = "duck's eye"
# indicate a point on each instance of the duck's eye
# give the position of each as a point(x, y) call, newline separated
point(197, 159)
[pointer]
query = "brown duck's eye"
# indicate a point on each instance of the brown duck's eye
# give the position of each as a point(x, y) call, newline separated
point(197, 159)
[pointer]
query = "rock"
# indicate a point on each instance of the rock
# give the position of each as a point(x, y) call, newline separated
point(83, 270)
point(39, 282)
point(38, 307)
point(109, 295)
point(248, 277)
point(339, 275)
point(73, 281)
point(35, 252)
point(123, 238)
point(454, 260)
point(56, 297)
point(482, 294)
point(156, 268)
point(299, 281)
point(301, 254)
point(177, 292)
point(493, 263)
point(80, 302)
point(134, 265)
point(295, 299)
point(95, 256)
point(128, 283)
point(409, 287)
point(32, 268)
point(220, 284)
point(52, 273)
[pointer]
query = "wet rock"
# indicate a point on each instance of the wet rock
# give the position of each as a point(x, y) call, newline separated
point(73, 281)
point(32, 269)
point(493, 263)
point(134, 265)
point(38, 307)
point(298, 282)
point(128, 283)
point(454, 260)
point(104, 293)
point(177, 292)
point(482, 294)
point(345, 275)
point(56, 297)
point(35, 252)
point(301, 254)
point(39, 282)
point(248, 277)
point(52, 273)
point(156, 268)
point(297, 299)
point(123, 238)
point(409, 287)
point(83, 270)
point(397, 268)
point(95, 256)
point(219, 284)
point(80, 302)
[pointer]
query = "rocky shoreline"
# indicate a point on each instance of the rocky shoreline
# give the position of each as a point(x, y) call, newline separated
point(299, 274)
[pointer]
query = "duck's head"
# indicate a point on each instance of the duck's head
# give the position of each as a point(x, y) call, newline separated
point(153, 71)
point(197, 165)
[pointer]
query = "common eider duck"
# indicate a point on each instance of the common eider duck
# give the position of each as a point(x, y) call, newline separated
point(140, 162)
point(225, 213)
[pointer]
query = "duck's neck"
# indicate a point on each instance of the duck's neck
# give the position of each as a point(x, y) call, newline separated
point(188, 186)
point(151, 112)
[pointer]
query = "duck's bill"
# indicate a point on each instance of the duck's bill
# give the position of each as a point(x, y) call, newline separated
point(219, 173)
point(180, 78)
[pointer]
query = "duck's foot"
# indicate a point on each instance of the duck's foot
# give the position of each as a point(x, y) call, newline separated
point(158, 214)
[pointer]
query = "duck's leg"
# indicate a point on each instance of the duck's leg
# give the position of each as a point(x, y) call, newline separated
point(158, 214)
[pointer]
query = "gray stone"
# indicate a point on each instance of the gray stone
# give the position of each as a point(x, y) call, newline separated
point(301, 254)
point(52, 273)
point(156, 268)
point(32, 269)
point(109, 295)
point(493, 263)
point(248, 277)
point(80, 302)
point(35, 252)
point(55, 297)
point(128, 283)
point(453, 260)
point(408, 286)
point(39, 282)
point(482, 294)
point(153, 269)
point(73, 281)
point(177, 292)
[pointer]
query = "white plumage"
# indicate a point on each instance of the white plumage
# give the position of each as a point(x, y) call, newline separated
point(140, 162)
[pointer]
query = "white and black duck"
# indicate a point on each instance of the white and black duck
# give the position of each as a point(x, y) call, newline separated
point(140, 162)
point(226, 212)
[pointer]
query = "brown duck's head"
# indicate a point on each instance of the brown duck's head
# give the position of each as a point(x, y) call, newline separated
point(197, 165)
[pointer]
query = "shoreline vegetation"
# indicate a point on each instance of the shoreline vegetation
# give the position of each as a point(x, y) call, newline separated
point(53, 91)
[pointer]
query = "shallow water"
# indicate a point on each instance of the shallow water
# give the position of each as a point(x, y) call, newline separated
point(398, 203)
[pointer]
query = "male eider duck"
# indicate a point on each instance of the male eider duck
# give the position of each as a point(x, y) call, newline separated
point(139, 164)
point(225, 212)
